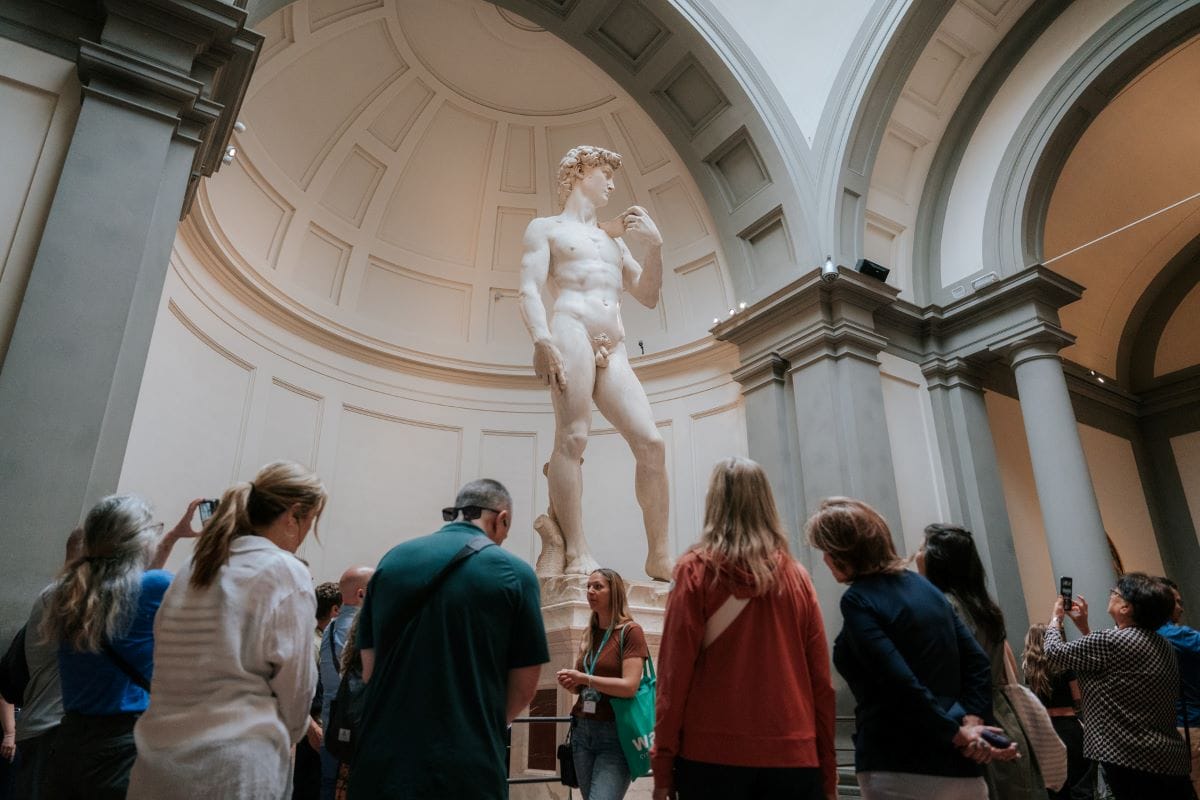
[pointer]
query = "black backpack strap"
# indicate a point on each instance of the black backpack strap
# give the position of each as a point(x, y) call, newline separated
point(138, 678)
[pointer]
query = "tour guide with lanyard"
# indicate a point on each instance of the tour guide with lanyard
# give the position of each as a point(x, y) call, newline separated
point(590, 696)
point(391, 633)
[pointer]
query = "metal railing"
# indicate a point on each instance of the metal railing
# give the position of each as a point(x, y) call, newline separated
point(842, 752)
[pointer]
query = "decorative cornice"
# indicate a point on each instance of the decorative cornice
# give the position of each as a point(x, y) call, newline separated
point(187, 62)
point(806, 321)
point(1082, 382)
point(766, 370)
point(1182, 391)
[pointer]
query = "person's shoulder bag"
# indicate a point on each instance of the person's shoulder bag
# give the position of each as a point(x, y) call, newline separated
point(635, 717)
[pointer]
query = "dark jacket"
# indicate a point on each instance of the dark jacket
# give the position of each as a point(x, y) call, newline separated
point(915, 670)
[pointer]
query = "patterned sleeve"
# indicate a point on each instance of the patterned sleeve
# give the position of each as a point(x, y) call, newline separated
point(1089, 654)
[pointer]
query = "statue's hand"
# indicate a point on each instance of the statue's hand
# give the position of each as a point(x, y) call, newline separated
point(640, 228)
point(548, 364)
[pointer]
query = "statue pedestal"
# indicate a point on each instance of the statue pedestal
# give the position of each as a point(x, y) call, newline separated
point(566, 614)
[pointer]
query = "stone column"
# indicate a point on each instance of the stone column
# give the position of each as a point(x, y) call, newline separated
point(151, 123)
point(973, 484)
point(771, 436)
point(1074, 530)
point(814, 409)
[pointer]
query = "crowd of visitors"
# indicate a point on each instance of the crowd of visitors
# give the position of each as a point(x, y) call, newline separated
point(238, 678)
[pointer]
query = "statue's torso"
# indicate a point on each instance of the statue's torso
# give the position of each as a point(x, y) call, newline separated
point(585, 279)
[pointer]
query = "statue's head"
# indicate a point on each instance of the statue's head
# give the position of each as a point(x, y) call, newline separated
point(576, 163)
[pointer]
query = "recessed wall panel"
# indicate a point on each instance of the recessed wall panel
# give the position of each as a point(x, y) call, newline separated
point(414, 465)
point(511, 458)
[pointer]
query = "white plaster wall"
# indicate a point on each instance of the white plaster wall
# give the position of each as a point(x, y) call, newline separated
point(962, 237)
point(39, 102)
point(1123, 506)
point(225, 391)
point(800, 44)
point(1187, 460)
point(920, 482)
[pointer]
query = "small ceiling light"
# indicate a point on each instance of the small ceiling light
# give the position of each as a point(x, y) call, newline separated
point(239, 126)
point(732, 312)
point(742, 306)
point(829, 272)
point(230, 155)
point(716, 320)
point(1100, 379)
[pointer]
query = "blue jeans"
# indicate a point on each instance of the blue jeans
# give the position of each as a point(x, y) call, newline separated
point(599, 763)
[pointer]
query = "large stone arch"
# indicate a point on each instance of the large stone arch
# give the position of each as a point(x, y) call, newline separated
point(1020, 194)
point(1146, 324)
point(853, 126)
point(710, 97)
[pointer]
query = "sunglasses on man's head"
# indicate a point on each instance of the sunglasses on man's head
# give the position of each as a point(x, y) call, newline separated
point(468, 512)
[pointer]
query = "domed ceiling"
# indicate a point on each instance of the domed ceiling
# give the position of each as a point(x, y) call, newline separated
point(393, 154)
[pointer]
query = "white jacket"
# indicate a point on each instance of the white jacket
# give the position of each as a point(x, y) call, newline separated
point(233, 680)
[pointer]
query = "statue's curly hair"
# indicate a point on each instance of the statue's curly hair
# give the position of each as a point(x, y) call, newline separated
point(580, 159)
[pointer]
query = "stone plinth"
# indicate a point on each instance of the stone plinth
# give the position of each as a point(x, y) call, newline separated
point(566, 614)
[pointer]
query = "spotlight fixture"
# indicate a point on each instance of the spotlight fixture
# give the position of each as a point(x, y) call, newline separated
point(239, 126)
point(742, 306)
point(829, 272)
point(230, 155)
point(872, 270)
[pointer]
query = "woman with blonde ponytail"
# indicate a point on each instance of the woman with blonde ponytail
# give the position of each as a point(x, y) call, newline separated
point(101, 612)
point(745, 703)
point(234, 670)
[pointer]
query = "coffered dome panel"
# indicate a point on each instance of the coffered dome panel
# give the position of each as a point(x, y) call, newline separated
point(395, 152)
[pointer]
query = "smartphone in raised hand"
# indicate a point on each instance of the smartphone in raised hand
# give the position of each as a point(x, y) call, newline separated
point(1065, 587)
point(207, 509)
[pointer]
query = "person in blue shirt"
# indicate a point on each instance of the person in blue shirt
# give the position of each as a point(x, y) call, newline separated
point(101, 612)
point(1186, 642)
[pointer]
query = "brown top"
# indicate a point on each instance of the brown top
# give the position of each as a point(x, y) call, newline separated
point(609, 663)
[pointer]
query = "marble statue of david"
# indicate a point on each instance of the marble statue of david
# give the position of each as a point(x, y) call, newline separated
point(579, 346)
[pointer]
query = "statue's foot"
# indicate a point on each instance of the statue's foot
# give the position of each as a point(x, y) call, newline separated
point(659, 566)
point(582, 564)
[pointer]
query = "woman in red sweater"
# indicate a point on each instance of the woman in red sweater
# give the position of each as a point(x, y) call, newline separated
point(745, 704)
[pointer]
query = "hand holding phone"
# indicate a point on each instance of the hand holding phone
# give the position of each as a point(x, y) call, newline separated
point(1065, 587)
point(996, 740)
point(207, 509)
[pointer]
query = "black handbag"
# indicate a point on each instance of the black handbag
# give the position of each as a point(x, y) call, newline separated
point(345, 717)
point(566, 762)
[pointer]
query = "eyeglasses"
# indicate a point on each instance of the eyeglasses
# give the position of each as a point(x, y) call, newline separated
point(468, 512)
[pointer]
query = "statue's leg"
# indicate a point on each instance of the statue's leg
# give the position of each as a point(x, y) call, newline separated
point(573, 421)
point(622, 400)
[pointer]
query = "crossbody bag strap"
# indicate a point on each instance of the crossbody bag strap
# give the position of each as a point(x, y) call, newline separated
point(138, 678)
point(392, 632)
point(723, 617)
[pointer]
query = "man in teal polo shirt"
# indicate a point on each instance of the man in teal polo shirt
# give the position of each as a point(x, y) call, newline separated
point(440, 695)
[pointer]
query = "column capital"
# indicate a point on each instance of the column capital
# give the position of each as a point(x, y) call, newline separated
point(769, 368)
point(1036, 342)
point(811, 319)
point(185, 62)
point(952, 373)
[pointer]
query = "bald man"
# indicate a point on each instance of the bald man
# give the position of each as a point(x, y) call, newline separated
point(353, 586)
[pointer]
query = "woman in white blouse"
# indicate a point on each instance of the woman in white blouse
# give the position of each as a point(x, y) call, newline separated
point(233, 669)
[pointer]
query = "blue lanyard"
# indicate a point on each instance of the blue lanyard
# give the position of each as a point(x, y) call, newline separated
point(596, 657)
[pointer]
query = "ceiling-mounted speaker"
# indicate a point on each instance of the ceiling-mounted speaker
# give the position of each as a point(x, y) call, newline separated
point(872, 270)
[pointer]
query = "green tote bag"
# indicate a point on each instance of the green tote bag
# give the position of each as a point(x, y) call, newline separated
point(635, 720)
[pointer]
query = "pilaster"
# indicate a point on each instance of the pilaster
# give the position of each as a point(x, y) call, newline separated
point(974, 486)
point(162, 85)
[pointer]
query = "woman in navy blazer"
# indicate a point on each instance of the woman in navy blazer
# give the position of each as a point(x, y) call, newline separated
point(921, 683)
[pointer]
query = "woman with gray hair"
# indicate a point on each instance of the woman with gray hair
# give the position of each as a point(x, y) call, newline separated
point(101, 612)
